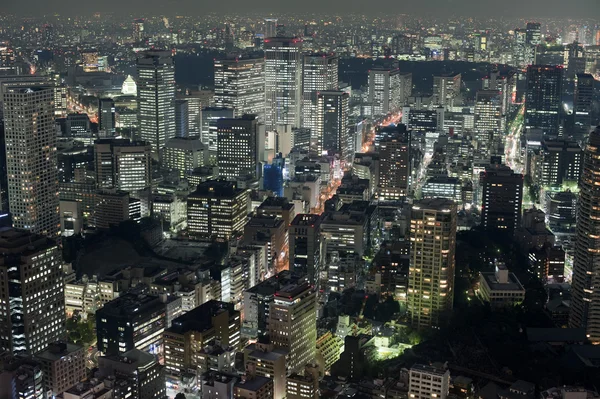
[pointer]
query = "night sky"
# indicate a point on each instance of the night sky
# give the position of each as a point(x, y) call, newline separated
point(479, 8)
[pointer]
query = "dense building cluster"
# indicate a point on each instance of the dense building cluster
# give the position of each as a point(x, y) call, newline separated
point(335, 207)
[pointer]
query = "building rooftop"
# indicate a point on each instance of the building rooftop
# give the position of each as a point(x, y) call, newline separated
point(306, 219)
point(425, 368)
point(271, 285)
point(438, 204)
point(217, 188)
point(254, 384)
point(200, 318)
point(512, 283)
point(129, 305)
point(58, 350)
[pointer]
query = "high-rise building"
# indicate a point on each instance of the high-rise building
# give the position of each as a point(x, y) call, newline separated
point(240, 85)
point(331, 125)
point(31, 162)
point(237, 147)
point(293, 324)
point(106, 117)
point(388, 88)
point(533, 34)
point(446, 88)
point(394, 165)
point(131, 321)
point(582, 106)
point(138, 30)
point(502, 195)
point(489, 121)
point(136, 374)
point(208, 127)
point(561, 162)
point(217, 208)
point(122, 164)
point(184, 154)
point(305, 245)
point(33, 303)
point(212, 323)
point(543, 98)
point(585, 297)
point(431, 271)
point(63, 365)
point(270, 27)
point(182, 118)
point(283, 82)
point(319, 73)
point(156, 98)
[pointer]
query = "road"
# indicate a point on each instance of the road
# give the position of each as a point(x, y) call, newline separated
point(512, 147)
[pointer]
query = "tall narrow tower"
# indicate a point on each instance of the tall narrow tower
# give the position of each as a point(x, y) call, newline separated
point(31, 159)
point(431, 272)
point(585, 300)
point(156, 98)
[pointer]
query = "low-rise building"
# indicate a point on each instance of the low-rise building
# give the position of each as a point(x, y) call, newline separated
point(254, 388)
point(63, 365)
point(426, 382)
point(501, 288)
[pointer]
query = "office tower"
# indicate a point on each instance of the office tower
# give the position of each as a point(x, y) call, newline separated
point(293, 324)
point(305, 245)
point(184, 154)
point(543, 98)
point(319, 73)
point(489, 121)
point(182, 118)
point(237, 147)
point(106, 117)
point(208, 126)
point(388, 89)
point(156, 98)
point(122, 164)
point(212, 323)
point(270, 27)
point(523, 53)
point(428, 382)
point(138, 30)
point(431, 271)
point(502, 195)
point(561, 162)
point(446, 88)
point(582, 106)
point(79, 125)
point(585, 297)
point(60, 100)
point(111, 207)
point(240, 85)
point(283, 82)
point(136, 375)
point(217, 209)
point(30, 269)
point(304, 386)
point(394, 165)
point(533, 35)
point(131, 321)
point(23, 379)
point(331, 125)
point(63, 365)
point(31, 163)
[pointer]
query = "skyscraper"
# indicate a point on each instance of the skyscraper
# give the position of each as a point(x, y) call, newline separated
point(489, 121)
point(394, 165)
point(240, 85)
point(293, 324)
point(31, 161)
point(237, 147)
point(270, 27)
point(543, 98)
point(208, 127)
point(283, 81)
point(182, 118)
point(585, 297)
point(533, 34)
point(431, 271)
point(332, 124)
point(217, 208)
point(446, 88)
point(123, 165)
point(388, 88)
point(582, 106)
point(305, 245)
point(33, 303)
point(106, 117)
point(319, 73)
point(156, 98)
point(502, 195)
